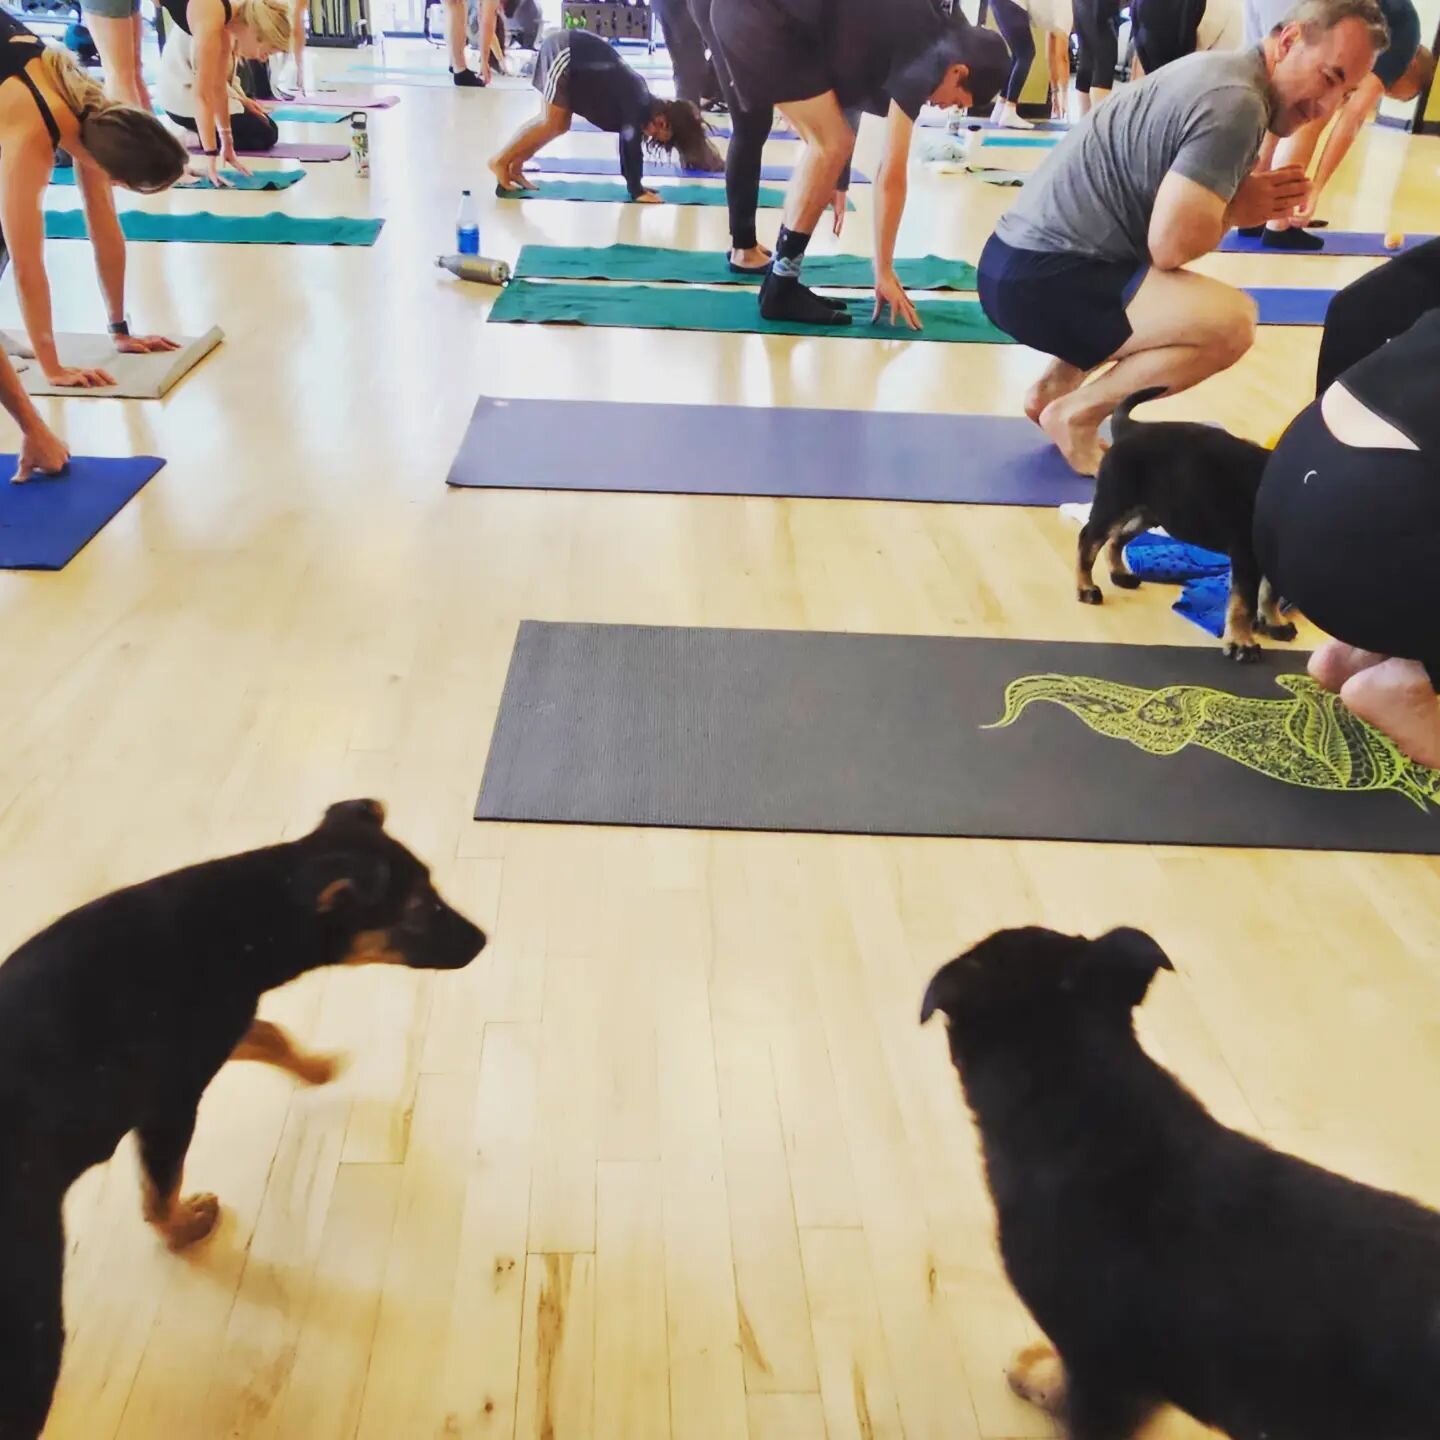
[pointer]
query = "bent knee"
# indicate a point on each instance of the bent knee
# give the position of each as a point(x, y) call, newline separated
point(1232, 330)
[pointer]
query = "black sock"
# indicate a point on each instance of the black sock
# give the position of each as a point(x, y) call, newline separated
point(782, 297)
point(790, 250)
point(466, 77)
point(1291, 240)
point(1253, 232)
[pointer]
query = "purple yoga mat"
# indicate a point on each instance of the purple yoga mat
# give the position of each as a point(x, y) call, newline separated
point(718, 125)
point(285, 151)
point(330, 100)
point(593, 165)
point(743, 450)
point(1337, 242)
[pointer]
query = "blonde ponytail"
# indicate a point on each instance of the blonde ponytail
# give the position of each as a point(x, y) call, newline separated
point(79, 92)
point(267, 20)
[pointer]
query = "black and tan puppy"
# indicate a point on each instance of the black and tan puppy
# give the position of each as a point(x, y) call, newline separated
point(1199, 483)
point(117, 1017)
point(1169, 1259)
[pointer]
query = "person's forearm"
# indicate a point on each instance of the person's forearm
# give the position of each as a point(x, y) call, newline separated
point(108, 241)
point(33, 287)
point(891, 186)
point(1179, 244)
point(17, 403)
point(1342, 136)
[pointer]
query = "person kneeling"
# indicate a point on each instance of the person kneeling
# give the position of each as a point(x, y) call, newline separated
point(578, 73)
point(249, 127)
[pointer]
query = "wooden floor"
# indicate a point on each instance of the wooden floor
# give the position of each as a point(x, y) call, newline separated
point(673, 1158)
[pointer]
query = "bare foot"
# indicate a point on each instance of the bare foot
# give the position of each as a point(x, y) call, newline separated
point(757, 257)
point(1037, 1376)
point(1058, 381)
point(1078, 442)
point(190, 1220)
point(1397, 698)
point(1335, 662)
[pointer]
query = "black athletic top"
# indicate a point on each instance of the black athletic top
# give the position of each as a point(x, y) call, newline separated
point(900, 50)
point(1398, 382)
point(18, 47)
point(177, 11)
point(603, 89)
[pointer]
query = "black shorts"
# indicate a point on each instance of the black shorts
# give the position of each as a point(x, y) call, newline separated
point(1352, 537)
point(770, 53)
point(552, 69)
point(1057, 302)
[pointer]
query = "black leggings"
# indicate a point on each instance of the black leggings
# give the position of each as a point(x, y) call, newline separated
point(250, 132)
point(694, 75)
point(1352, 536)
point(1014, 26)
point(1164, 30)
point(1096, 25)
point(1376, 308)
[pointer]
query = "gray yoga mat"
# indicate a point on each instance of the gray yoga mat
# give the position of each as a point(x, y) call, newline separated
point(138, 377)
point(752, 450)
point(904, 735)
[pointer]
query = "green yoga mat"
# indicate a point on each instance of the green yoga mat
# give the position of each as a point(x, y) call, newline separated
point(260, 180)
point(614, 193)
point(647, 307)
point(203, 227)
point(686, 267)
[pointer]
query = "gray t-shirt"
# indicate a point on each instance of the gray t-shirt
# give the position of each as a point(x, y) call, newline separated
point(1203, 116)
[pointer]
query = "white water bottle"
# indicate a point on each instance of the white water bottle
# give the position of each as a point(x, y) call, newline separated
point(467, 226)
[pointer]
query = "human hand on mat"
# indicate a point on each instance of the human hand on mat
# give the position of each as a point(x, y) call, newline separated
point(42, 452)
point(841, 203)
point(889, 291)
point(230, 158)
point(79, 377)
point(649, 197)
point(144, 344)
point(209, 169)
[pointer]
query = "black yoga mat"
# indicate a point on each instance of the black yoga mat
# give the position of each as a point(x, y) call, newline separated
point(927, 735)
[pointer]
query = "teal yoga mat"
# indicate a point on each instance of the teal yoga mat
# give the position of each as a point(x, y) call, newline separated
point(1023, 142)
point(648, 307)
point(614, 193)
point(202, 227)
point(260, 180)
point(308, 115)
point(687, 267)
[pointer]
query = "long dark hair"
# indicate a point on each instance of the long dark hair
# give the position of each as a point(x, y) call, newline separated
point(689, 136)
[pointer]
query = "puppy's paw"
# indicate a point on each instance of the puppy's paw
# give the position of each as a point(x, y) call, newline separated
point(320, 1069)
point(1285, 631)
point(1089, 595)
point(1242, 653)
point(1124, 580)
point(192, 1219)
point(1037, 1376)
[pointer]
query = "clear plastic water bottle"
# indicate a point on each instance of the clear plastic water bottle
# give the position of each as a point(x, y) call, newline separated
point(467, 226)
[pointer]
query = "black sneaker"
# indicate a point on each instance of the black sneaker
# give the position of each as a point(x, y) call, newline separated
point(1251, 232)
point(468, 79)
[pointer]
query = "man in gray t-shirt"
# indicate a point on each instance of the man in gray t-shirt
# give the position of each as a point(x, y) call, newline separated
point(1088, 266)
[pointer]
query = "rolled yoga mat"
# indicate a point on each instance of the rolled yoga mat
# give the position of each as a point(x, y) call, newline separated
point(691, 267)
point(260, 180)
point(1337, 242)
point(609, 165)
point(137, 377)
point(592, 445)
point(202, 227)
point(786, 730)
point(47, 521)
point(616, 194)
point(650, 307)
point(285, 150)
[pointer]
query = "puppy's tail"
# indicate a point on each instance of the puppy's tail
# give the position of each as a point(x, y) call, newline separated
point(1120, 422)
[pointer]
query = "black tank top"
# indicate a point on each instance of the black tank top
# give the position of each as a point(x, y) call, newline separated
point(1401, 382)
point(18, 47)
point(177, 11)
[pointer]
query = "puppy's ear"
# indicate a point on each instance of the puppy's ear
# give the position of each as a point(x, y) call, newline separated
point(334, 879)
point(350, 812)
point(943, 992)
point(1122, 964)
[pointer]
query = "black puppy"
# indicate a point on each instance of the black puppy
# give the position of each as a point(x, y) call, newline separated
point(1169, 1259)
point(117, 1017)
point(1199, 483)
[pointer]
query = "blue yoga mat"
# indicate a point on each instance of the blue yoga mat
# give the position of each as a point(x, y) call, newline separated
point(609, 165)
point(45, 523)
point(1281, 306)
point(203, 227)
point(591, 445)
point(1022, 142)
point(1337, 242)
point(260, 180)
